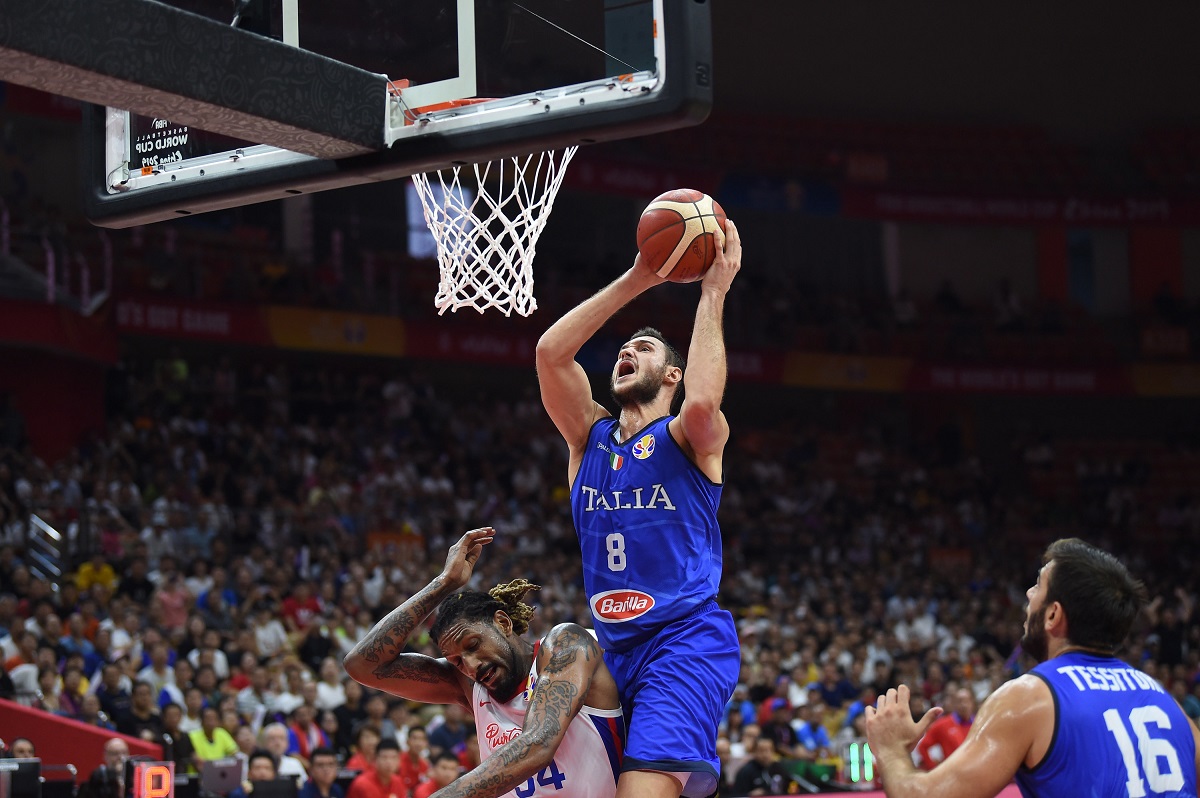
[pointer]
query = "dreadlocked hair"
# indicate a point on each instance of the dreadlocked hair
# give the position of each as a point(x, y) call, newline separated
point(472, 605)
point(510, 595)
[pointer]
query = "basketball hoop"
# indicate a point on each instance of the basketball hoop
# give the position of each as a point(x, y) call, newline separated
point(486, 221)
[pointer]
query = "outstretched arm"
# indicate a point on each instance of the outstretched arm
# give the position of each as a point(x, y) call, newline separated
point(379, 660)
point(1185, 604)
point(702, 427)
point(566, 392)
point(1151, 610)
point(1000, 740)
point(574, 659)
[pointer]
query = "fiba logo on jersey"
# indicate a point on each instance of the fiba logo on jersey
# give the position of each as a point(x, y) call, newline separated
point(644, 447)
point(619, 606)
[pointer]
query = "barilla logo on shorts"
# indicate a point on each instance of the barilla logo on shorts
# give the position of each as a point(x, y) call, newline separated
point(498, 738)
point(618, 606)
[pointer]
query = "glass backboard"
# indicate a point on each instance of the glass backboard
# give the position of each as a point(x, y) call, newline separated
point(539, 74)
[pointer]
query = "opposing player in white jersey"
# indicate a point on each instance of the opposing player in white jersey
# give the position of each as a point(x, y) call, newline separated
point(548, 717)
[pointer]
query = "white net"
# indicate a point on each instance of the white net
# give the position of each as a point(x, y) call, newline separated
point(486, 219)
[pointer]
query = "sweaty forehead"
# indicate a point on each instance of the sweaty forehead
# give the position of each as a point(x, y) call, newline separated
point(453, 637)
point(643, 339)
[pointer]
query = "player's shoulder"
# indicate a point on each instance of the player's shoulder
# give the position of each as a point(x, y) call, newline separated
point(569, 636)
point(1023, 696)
point(602, 418)
point(565, 643)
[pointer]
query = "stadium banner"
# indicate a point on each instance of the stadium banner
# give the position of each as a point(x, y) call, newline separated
point(334, 331)
point(746, 366)
point(1165, 379)
point(1056, 381)
point(909, 206)
point(846, 372)
point(205, 321)
point(779, 195)
point(445, 340)
point(1159, 341)
point(56, 328)
point(641, 180)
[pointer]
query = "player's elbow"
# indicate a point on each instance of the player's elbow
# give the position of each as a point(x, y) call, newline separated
point(356, 666)
point(551, 351)
point(701, 408)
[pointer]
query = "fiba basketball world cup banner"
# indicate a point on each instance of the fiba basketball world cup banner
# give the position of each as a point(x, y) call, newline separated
point(155, 142)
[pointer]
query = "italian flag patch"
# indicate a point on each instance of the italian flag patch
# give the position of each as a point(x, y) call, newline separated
point(616, 461)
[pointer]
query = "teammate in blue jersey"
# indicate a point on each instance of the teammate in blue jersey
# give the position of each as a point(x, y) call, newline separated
point(1080, 723)
point(644, 493)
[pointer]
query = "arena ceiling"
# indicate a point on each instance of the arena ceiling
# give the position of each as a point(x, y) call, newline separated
point(1092, 72)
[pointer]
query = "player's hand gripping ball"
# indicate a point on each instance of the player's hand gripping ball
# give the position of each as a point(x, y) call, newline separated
point(675, 234)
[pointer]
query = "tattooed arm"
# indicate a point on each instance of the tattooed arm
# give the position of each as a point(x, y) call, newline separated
point(573, 674)
point(379, 660)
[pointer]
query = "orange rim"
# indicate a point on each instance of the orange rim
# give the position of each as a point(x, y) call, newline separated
point(396, 89)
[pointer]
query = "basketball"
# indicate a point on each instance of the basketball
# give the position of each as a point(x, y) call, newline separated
point(675, 234)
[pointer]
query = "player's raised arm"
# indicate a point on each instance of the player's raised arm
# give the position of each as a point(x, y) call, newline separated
point(572, 660)
point(379, 660)
point(1000, 741)
point(703, 425)
point(565, 389)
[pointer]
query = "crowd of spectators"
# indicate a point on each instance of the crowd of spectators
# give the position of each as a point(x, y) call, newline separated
point(237, 529)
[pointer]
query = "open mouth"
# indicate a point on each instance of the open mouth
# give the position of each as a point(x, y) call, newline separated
point(625, 368)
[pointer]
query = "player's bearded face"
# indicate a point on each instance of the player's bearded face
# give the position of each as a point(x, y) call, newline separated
point(640, 391)
point(1034, 641)
point(500, 672)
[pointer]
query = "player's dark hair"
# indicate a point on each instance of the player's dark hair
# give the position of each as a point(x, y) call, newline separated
point(674, 358)
point(471, 605)
point(1101, 598)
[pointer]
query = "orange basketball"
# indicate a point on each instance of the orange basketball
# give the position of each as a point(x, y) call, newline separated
point(675, 234)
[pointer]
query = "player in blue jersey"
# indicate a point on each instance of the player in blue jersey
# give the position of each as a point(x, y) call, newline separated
point(1080, 723)
point(644, 493)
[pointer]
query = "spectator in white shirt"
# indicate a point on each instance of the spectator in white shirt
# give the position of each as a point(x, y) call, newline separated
point(257, 696)
point(330, 692)
point(158, 673)
point(212, 654)
point(269, 634)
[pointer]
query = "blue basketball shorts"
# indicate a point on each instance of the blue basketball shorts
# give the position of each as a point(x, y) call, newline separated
point(674, 688)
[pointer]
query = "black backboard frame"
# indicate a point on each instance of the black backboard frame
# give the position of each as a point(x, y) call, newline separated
point(685, 99)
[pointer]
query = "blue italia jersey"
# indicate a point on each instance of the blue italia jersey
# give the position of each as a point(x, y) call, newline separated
point(646, 517)
point(1117, 734)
